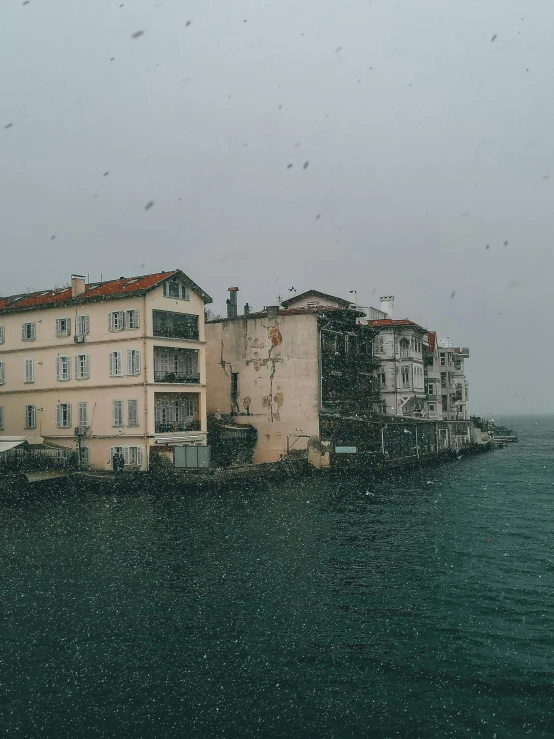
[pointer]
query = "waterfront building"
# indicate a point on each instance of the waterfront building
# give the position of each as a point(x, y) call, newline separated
point(106, 367)
point(454, 386)
point(292, 371)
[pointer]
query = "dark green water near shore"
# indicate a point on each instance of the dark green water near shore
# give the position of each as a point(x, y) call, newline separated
point(419, 606)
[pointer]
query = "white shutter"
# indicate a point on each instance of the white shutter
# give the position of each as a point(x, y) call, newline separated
point(1, 418)
point(68, 327)
point(112, 363)
point(1, 373)
point(78, 374)
point(58, 327)
point(110, 322)
point(117, 413)
point(139, 456)
point(136, 320)
point(58, 368)
point(2, 334)
point(59, 416)
point(132, 413)
point(85, 325)
point(24, 331)
point(87, 366)
point(32, 331)
point(31, 419)
point(68, 415)
point(29, 371)
point(82, 413)
point(130, 362)
point(126, 454)
point(79, 325)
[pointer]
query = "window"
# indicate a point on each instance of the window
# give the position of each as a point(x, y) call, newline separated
point(175, 325)
point(29, 371)
point(443, 359)
point(443, 379)
point(63, 415)
point(63, 327)
point(132, 413)
point(432, 407)
point(132, 455)
point(445, 403)
point(116, 321)
point(82, 325)
point(82, 367)
point(117, 413)
point(116, 364)
point(28, 332)
point(174, 289)
point(1, 373)
point(430, 389)
point(85, 456)
point(133, 362)
point(63, 368)
point(30, 417)
point(2, 334)
point(404, 347)
point(234, 386)
point(383, 379)
point(82, 414)
point(132, 319)
point(1, 418)
point(380, 345)
point(405, 376)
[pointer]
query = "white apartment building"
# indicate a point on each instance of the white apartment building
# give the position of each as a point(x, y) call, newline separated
point(454, 386)
point(116, 366)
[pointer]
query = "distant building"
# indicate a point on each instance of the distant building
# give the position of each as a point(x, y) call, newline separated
point(108, 367)
point(292, 372)
point(453, 383)
point(433, 409)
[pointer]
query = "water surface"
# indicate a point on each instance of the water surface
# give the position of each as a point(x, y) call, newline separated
point(411, 607)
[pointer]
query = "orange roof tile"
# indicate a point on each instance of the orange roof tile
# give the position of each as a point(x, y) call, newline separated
point(111, 289)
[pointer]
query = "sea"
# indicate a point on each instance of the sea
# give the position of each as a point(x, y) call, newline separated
point(416, 605)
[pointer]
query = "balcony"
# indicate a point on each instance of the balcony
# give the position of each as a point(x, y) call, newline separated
point(171, 427)
point(171, 377)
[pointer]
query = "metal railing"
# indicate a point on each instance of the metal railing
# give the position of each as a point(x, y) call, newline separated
point(172, 426)
point(162, 376)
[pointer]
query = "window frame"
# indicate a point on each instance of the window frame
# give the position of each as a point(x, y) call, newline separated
point(61, 409)
point(115, 363)
point(134, 415)
point(28, 335)
point(61, 361)
point(2, 334)
point(133, 362)
point(117, 404)
point(32, 410)
point(28, 378)
point(84, 366)
point(82, 414)
point(63, 332)
point(81, 321)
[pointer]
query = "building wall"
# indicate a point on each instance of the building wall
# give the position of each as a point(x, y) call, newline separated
point(100, 389)
point(311, 300)
point(387, 349)
point(277, 361)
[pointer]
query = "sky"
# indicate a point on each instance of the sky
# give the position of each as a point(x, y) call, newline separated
point(427, 129)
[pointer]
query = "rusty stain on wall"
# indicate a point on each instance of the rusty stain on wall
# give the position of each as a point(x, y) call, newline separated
point(274, 334)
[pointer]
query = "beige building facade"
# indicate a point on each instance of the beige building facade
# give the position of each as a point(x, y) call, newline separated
point(108, 367)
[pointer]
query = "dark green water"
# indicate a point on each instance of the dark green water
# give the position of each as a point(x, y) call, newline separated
point(416, 607)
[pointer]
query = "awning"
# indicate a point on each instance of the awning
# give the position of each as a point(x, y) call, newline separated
point(10, 442)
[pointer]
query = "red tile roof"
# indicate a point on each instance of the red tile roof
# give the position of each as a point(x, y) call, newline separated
point(121, 288)
point(391, 322)
point(431, 342)
point(303, 311)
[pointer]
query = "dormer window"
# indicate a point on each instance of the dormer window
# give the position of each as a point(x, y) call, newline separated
point(176, 289)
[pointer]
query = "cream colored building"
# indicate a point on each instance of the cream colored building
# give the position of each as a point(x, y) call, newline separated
point(106, 367)
point(291, 372)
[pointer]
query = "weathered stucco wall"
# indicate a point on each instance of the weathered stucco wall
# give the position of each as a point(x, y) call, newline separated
point(277, 362)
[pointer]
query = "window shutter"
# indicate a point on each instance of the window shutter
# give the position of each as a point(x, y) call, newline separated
point(1, 373)
point(85, 326)
point(112, 452)
point(130, 362)
point(58, 327)
point(1, 419)
point(33, 331)
point(29, 370)
point(132, 413)
point(139, 456)
point(24, 331)
point(111, 322)
point(112, 364)
point(77, 366)
point(82, 414)
point(59, 416)
point(58, 368)
point(32, 421)
point(87, 366)
point(2, 334)
point(79, 325)
point(118, 368)
point(126, 454)
point(136, 320)
point(68, 327)
point(69, 414)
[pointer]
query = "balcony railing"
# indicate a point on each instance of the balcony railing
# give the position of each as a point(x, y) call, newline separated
point(173, 426)
point(162, 376)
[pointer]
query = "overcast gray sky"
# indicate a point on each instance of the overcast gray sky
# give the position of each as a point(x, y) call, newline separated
point(426, 141)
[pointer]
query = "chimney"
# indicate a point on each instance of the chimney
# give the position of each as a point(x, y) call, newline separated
point(272, 311)
point(78, 285)
point(232, 302)
point(387, 305)
point(246, 310)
